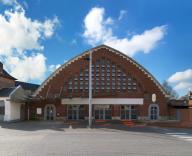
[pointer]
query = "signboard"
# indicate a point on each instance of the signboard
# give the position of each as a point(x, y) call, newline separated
point(102, 106)
point(39, 111)
point(154, 97)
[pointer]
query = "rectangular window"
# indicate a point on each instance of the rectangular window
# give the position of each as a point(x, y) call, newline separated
point(129, 79)
point(108, 65)
point(2, 110)
point(129, 88)
point(76, 78)
point(103, 66)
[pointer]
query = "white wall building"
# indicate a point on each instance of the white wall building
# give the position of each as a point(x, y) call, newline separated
point(11, 100)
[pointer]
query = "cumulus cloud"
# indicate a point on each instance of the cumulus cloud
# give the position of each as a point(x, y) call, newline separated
point(8, 2)
point(181, 76)
point(183, 85)
point(182, 80)
point(27, 67)
point(25, 33)
point(98, 30)
point(53, 67)
point(20, 43)
point(122, 14)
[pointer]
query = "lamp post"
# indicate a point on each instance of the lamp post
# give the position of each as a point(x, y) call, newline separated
point(90, 89)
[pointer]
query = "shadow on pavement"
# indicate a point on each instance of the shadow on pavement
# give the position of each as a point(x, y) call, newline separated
point(111, 126)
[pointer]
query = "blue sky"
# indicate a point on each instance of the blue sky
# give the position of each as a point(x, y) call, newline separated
point(61, 33)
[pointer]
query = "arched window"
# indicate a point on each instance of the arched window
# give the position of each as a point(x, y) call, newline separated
point(153, 112)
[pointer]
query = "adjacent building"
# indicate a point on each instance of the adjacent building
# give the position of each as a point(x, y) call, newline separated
point(13, 96)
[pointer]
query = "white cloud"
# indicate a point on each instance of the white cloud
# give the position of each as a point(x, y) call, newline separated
point(183, 86)
point(182, 80)
point(98, 30)
point(144, 42)
point(8, 2)
point(27, 68)
point(52, 67)
point(20, 43)
point(122, 14)
point(181, 76)
point(25, 33)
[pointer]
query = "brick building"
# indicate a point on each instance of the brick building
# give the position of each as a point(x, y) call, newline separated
point(13, 95)
point(121, 89)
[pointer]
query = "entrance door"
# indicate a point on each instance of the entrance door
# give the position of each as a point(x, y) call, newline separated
point(103, 113)
point(125, 113)
point(128, 112)
point(99, 114)
point(75, 112)
point(49, 112)
point(154, 112)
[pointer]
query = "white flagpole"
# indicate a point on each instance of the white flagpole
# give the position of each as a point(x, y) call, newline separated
point(90, 89)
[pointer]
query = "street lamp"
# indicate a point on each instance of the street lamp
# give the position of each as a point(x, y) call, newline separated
point(90, 89)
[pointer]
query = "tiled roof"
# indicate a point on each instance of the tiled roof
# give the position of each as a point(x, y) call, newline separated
point(5, 74)
point(5, 92)
point(27, 86)
point(179, 103)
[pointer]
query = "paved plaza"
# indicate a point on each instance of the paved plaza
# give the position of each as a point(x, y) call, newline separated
point(105, 139)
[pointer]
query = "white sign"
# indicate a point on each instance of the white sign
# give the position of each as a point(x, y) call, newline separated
point(154, 97)
point(103, 101)
point(102, 106)
point(39, 111)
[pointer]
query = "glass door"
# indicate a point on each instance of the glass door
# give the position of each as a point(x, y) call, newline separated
point(103, 113)
point(49, 113)
point(154, 112)
point(75, 112)
point(125, 112)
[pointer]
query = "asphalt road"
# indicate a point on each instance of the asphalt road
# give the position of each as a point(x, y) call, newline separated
point(58, 139)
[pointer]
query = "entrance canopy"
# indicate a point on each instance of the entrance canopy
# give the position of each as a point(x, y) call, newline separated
point(103, 101)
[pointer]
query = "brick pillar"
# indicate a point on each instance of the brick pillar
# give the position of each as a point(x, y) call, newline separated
point(116, 111)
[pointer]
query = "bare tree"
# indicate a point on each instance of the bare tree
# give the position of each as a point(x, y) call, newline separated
point(169, 89)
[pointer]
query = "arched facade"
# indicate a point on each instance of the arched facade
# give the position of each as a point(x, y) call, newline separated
point(122, 88)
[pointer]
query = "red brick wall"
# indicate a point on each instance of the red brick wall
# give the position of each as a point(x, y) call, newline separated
point(147, 86)
point(186, 115)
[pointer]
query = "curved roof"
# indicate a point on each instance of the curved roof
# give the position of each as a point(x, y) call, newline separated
point(140, 67)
